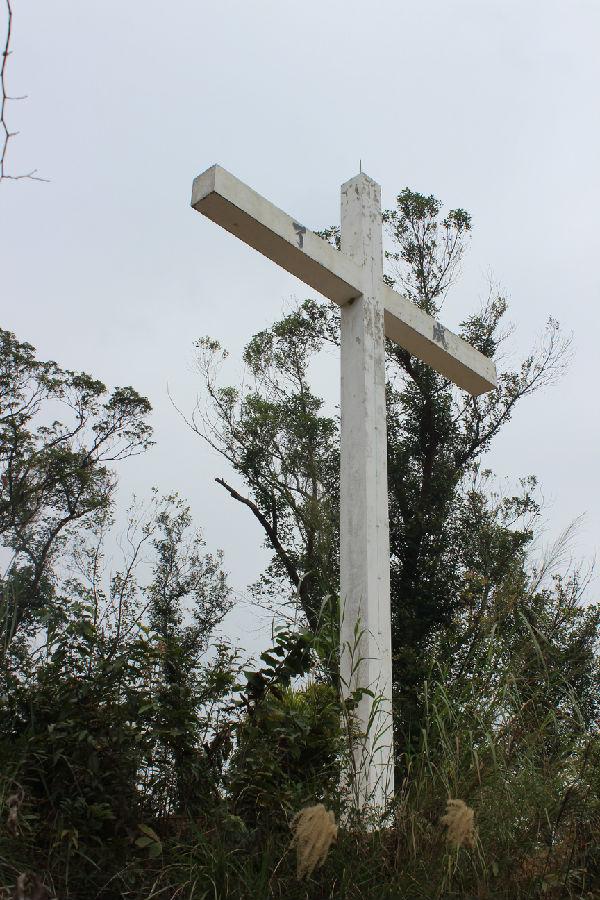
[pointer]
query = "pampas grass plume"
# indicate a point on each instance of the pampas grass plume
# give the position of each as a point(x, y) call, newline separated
point(459, 820)
point(314, 831)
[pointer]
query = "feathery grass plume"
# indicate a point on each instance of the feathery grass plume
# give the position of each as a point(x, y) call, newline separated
point(13, 803)
point(30, 888)
point(314, 831)
point(459, 820)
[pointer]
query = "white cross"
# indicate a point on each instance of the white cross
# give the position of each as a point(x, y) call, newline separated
point(353, 278)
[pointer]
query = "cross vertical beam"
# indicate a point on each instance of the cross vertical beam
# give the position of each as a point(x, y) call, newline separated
point(365, 628)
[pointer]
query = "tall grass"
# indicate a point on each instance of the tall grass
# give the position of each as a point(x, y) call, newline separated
point(497, 794)
point(530, 775)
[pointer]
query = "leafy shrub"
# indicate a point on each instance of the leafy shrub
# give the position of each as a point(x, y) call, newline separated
point(287, 754)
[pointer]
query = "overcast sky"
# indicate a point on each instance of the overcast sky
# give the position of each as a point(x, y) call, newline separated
point(492, 105)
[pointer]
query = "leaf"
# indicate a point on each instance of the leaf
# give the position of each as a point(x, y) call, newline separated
point(270, 661)
point(155, 850)
point(144, 842)
point(145, 829)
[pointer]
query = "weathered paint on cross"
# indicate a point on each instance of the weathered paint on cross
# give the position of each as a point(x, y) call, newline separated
point(240, 210)
point(365, 627)
point(353, 278)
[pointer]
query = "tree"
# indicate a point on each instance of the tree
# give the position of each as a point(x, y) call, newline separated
point(113, 681)
point(53, 473)
point(275, 436)
point(109, 722)
point(286, 451)
point(188, 598)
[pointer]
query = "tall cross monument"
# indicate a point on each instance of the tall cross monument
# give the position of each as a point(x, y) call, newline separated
point(370, 311)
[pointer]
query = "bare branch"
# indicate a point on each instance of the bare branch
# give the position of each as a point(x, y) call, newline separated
point(270, 530)
point(5, 133)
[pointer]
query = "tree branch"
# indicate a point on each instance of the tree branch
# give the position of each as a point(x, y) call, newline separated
point(5, 132)
point(270, 530)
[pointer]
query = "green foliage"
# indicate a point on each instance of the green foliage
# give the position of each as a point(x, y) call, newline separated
point(487, 738)
point(278, 438)
point(112, 687)
point(289, 741)
point(430, 249)
point(289, 658)
point(54, 473)
point(287, 755)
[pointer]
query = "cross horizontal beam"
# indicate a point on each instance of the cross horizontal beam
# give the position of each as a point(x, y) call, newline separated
point(241, 211)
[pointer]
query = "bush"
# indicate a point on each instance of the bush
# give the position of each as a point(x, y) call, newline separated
point(287, 755)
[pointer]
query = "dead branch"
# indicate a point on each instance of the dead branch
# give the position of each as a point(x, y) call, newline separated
point(5, 133)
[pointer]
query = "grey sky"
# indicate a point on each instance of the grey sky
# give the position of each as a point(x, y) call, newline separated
point(492, 106)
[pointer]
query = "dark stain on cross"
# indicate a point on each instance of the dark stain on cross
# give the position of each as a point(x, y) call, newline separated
point(439, 334)
point(300, 231)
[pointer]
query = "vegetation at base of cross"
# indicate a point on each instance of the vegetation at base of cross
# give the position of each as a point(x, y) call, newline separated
point(142, 756)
